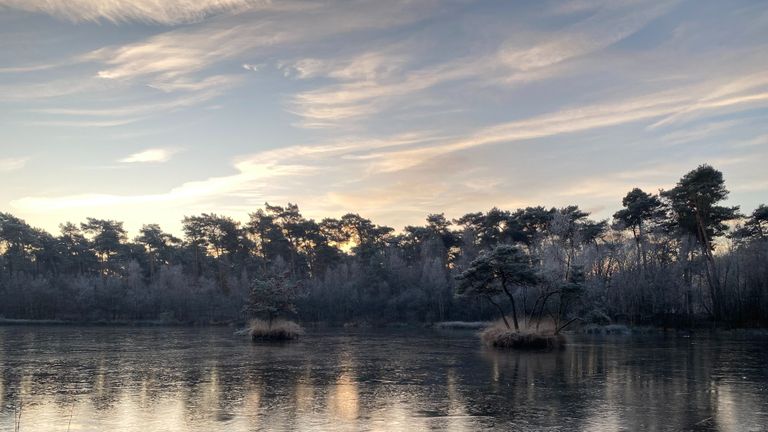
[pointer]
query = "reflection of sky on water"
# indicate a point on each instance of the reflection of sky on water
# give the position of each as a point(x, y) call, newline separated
point(204, 379)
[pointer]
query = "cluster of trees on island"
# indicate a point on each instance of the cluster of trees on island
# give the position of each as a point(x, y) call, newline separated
point(665, 259)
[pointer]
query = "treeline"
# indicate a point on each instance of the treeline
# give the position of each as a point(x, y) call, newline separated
point(666, 258)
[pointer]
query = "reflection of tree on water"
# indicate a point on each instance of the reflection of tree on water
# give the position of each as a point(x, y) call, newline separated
point(641, 385)
point(194, 379)
point(527, 386)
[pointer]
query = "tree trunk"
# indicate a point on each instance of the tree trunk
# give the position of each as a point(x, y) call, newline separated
point(713, 280)
point(512, 301)
point(501, 311)
point(544, 300)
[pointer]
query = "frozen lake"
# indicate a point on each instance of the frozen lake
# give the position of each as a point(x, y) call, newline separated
point(204, 379)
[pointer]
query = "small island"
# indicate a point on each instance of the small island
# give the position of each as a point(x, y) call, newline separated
point(271, 298)
point(506, 268)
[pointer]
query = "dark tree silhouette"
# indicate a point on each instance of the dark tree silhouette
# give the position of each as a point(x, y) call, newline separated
point(694, 203)
point(501, 270)
point(665, 261)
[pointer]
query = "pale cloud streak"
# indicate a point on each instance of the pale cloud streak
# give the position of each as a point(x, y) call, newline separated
point(610, 24)
point(186, 59)
point(373, 81)
point(752, 89)
point(167, 12)
point(80, 124)
point(195, 94)
point(573, 120)
point(179, 52)
point(56, 88)
point(156, 155)
point(12, 164)
point(251, 173)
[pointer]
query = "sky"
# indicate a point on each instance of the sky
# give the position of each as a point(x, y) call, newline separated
point(145, 111)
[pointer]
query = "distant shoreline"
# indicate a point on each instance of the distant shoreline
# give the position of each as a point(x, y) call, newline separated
point(609, 330)
point(100, 323)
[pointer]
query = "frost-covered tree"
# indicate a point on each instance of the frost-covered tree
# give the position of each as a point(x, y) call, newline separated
point(500, 271)
point(272, 296)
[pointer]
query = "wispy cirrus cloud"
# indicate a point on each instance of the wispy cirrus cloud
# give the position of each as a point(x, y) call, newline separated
point(187, 59)
point(154, 155)
point(367, 83)
point(30, 68)
point(372, 81)
point(52, 89)
point(279, 25)
point(252, 174)
point(80, 124)
point(580, 119)
point(738, 91)
point(12, 164)
point(609, 24)
point(180, 53)
point(166, 12)
point(194, 93)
